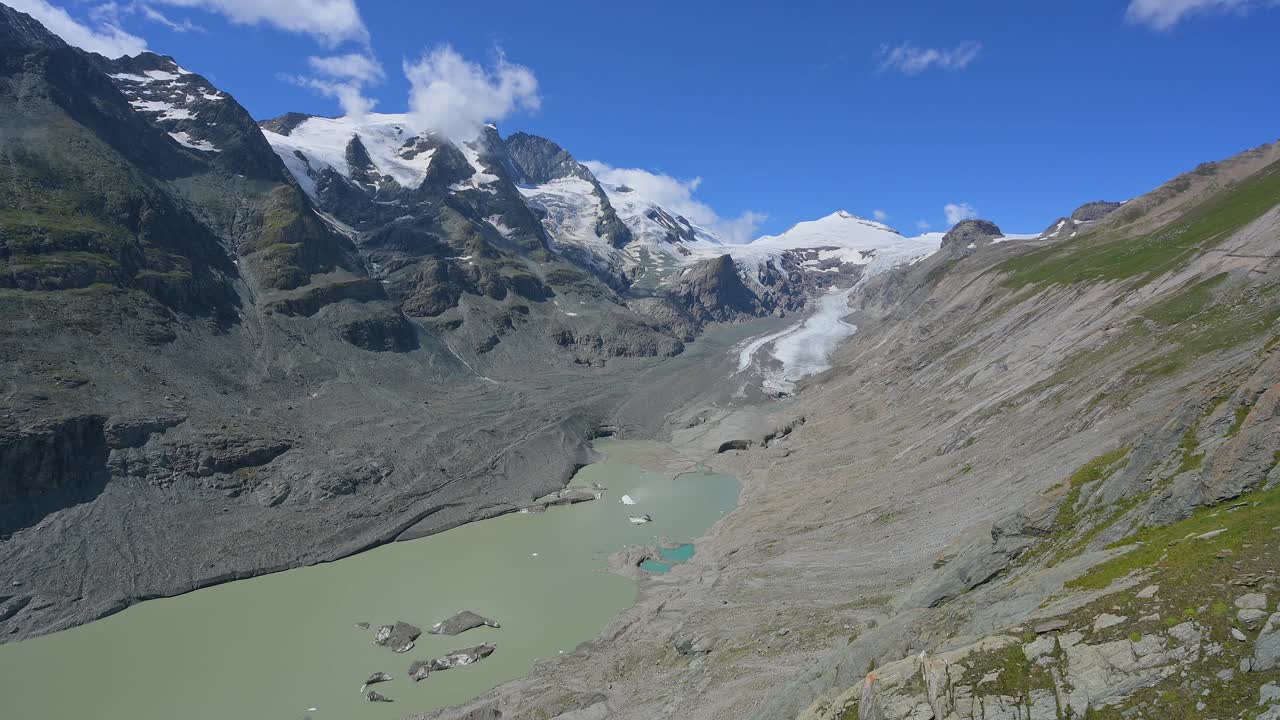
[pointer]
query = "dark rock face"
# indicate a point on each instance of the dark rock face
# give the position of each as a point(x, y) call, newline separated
point(462, 622)
point(49, 466)
point(678, 228)
point(967, 236)
point(1065, 228)
point(971, 231)
point(538, 160)
point(134, 432)
point(712, 290)
point(198, 117)
point(1096, 210)
point(373, 326)
point(284, 124)
point(625, 338)
point(21, 30)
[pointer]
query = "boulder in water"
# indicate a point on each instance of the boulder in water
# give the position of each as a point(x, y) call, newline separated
point(462, 622)
point(420, 669)
point(375, 696)
point(375, 678)
point(567, 496)
point(459, 658)
point(398, 637)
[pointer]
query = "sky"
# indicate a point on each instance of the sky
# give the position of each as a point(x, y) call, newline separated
point(752, 116)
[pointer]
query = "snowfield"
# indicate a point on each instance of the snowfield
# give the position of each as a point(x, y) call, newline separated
point(323, 142)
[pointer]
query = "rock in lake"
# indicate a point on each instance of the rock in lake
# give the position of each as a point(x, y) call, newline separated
point(398, 637)
point(420, 669)
point(462, 622)
point(375, 696)
point(567, 496)
point(459, 658)
point(375, 678)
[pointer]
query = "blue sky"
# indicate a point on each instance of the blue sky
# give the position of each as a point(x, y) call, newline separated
point(1018, 110)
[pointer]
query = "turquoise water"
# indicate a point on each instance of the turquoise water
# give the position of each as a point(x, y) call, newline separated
point(653, 566)
point(672, 556)
point(286, 646)
point(678, 554)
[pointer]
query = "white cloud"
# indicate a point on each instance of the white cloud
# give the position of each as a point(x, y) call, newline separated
point(454, 96)
point(352, 66)
point(923, 225)
point(156, 16)
point(105, 37)
point(343, 77)
point(677, 196)
point(880, 215)
point(330, 21)
point(350, 95)
point(956, 212)
point(109, 13)
point(1164, 14)
point(911, 60)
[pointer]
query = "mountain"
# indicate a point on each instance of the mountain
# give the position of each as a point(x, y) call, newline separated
point(1081, 218)
point(208, 342)
point(1037, 478)
point(1040, 481)
point(222, 329)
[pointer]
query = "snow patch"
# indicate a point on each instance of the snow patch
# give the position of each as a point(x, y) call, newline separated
point(186, 140)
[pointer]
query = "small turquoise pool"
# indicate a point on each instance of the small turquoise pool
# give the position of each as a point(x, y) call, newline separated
point(654, 566)
point(672, 556)
point(678, 554)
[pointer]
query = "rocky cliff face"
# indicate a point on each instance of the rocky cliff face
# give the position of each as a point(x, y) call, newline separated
point(539, 161)
point(967, 236)
point(712, 290)
point(1065, 228)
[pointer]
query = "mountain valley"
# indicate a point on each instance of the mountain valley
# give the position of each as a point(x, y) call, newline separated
point(984, 475)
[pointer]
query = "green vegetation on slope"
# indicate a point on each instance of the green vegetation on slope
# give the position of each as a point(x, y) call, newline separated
point(1066, 541)
point(1175, 550)
point(1112, 255)
point(1240, 314)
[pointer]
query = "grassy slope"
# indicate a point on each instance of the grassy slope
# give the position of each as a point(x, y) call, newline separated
point(1114, 254)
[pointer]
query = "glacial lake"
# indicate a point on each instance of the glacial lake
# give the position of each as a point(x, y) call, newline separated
point(279, 645)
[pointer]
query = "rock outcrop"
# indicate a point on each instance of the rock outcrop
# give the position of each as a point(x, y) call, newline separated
point(462, 622)
point(399, 637)
point(967, 236)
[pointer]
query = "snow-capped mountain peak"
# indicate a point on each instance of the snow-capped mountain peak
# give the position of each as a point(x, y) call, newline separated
point(308, 145)
point(839, 229)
